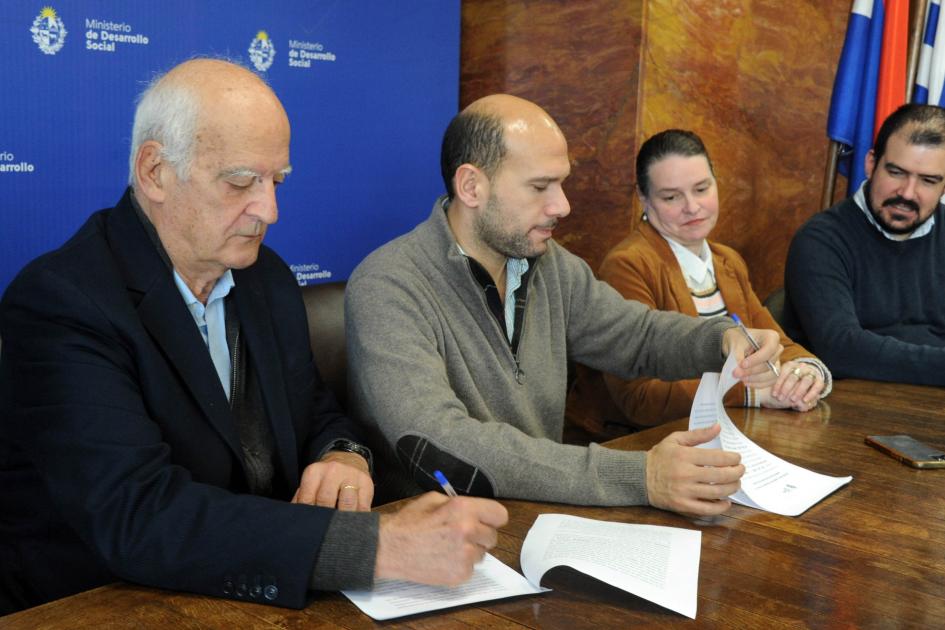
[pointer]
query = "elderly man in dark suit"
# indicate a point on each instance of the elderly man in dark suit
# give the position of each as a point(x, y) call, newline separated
point(161, 418)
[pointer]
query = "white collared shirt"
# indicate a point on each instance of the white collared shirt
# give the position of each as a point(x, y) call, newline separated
point(699, 272)
point(698, 269)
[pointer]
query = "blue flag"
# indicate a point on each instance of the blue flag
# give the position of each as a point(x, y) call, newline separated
point(853, 103)
point(930, 76)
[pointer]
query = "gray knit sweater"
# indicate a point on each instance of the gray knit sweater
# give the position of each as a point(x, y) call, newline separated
point(431, 368)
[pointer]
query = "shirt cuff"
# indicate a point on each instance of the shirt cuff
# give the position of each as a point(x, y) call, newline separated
point(348, 553)
point(621, 476)
point(824, 373)
point(752, 399)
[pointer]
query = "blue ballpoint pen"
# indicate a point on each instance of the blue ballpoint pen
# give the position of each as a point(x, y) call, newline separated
point(754, 344)
point(447, 487)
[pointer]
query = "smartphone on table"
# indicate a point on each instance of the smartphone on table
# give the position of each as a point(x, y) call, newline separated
point(908, 450)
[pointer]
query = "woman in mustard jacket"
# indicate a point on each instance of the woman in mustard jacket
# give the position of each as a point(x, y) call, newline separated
point(669, 264)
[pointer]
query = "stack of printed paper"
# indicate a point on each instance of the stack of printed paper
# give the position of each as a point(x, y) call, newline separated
point(769, 483)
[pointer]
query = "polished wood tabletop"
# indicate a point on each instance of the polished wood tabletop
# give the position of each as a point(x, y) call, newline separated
point(870, 555)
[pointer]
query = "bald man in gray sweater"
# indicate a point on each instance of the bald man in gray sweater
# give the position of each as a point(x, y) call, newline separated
point(459, 334)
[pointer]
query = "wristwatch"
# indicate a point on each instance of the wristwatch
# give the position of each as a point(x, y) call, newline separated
point(349, 446)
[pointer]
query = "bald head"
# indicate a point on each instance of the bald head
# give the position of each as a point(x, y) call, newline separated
point(180, 109)
point(517, 114)
point(484, 131)
point(210, 146)
point(211, 74)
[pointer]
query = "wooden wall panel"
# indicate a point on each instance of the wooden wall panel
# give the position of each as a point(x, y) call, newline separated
point(580, 61)
point(752, 77)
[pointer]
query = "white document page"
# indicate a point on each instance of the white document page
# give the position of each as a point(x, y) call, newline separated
point(395, 598)
point(769, 483)
point(660, 564)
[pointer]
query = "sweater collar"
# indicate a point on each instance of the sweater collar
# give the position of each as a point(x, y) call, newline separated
point(439, 225)
point(448, 247)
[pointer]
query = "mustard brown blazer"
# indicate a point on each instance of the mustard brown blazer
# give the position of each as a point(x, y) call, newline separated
point(642, 267)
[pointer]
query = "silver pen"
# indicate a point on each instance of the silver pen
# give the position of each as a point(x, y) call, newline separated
point(754, 344)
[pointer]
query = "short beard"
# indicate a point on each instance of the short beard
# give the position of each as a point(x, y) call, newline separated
point(491, 230)
point(897, 229)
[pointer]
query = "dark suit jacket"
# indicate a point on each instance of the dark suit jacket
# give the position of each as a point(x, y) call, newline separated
point(119, 456)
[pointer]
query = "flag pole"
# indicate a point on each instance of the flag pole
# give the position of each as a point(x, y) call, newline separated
point(915, 44)
point(830, 174)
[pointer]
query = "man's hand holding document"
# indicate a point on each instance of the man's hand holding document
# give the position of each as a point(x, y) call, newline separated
point(769, 483)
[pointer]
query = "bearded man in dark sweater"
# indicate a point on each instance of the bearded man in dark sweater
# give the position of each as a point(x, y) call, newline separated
point(864, 279)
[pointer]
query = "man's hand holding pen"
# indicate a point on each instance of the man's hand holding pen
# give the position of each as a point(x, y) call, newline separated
point(436, 539)
point(757, 352)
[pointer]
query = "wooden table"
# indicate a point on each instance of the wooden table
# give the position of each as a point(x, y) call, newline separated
point(870, 555)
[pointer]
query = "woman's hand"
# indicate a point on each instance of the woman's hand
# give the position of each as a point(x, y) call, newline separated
point(799, 387)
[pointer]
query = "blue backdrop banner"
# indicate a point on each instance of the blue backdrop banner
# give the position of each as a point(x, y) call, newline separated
point(369, 87)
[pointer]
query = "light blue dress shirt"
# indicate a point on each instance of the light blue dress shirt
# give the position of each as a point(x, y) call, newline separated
point(515, 268)
point(211, 321)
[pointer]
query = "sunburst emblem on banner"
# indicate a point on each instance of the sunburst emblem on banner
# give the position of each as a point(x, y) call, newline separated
point(48, 31)
point(261, 51)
